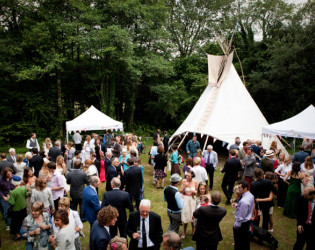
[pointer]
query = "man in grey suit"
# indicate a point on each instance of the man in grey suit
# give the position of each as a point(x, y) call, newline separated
point(11, 157)
point(77, 179)
point(208, 233)
point(5, 163)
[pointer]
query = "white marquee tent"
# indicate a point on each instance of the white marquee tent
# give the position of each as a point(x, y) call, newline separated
point(225, 109)
point(301, 125)
point(93, 119)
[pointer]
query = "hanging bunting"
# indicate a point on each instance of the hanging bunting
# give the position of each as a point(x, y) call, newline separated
point(214, 140)
point(201, 135)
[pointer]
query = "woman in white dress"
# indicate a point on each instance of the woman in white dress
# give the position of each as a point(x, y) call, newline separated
point(308, 169)
point(19, 166)
point(60, 164)
point(90, 168)
point(188, 189)
point(86, 147)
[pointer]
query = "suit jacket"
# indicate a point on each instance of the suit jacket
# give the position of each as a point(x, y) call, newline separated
point(98, 166)
point(91, 204)
point(37, 162)
point(231, 168)
point(54, 152)
point(155, 229)
point(77, 179)
point(6, 164)
point(302, 212)
point(120, 200)
point(99, 237)
point(111, 172)
point(267, 165)
point(133, 180)
point(300, 157)
point(116, 148)
point(207, 228)
point(11, 159)
point(103, 147)
point(107, 163)
point(165, 142)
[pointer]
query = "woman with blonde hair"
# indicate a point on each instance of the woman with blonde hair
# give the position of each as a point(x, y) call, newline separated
point(45, 174)
point(46, 145)
point(90, 168)
point(19, 166)
point(43, 193)
point(60, 164)
point(117, 243)
point(203, 161)
point(86, 147)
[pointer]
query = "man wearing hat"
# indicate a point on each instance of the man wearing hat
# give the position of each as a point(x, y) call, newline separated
point(175, 203)
point(267, 163)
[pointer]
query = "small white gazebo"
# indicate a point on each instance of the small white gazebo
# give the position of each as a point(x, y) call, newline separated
point(93, 119)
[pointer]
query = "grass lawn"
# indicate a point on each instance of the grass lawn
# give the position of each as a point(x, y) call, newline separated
point(284, 228)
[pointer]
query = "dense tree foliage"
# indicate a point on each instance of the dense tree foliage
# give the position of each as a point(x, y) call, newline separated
point(144, 62)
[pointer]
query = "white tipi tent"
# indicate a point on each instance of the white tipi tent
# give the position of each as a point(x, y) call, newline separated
point(225, 109)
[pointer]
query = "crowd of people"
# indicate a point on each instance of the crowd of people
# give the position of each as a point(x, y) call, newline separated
point(48, 195)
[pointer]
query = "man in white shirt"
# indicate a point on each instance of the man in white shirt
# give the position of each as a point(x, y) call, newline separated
point(32, 142)
point(77, 138)
point(200, 172)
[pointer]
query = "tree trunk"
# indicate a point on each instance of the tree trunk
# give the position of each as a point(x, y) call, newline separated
point(59, 102)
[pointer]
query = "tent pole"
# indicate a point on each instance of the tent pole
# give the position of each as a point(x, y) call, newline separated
point(294, 146)
point(204, 146)
point(67, 136)
point(183, 139)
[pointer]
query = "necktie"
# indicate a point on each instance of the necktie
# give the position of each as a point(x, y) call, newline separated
point(309, 212)
point(144, 235)
point(208, 161)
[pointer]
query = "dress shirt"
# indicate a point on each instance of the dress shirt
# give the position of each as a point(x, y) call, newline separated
point(244, 209)
point(29, 142)
point(77, 138)
point(93, 188)
point(107, 229)
point(146, 223)
point(200, 174)
point(179, 201)
point(57, 181)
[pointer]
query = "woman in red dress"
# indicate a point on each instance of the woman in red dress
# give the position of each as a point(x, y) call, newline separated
point(102, 171)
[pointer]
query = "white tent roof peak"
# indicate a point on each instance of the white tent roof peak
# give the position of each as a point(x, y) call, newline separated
point(298, 126)
point(227, 111)
point(93, 119)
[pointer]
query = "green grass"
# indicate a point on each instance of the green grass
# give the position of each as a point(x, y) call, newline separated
point(284, 228)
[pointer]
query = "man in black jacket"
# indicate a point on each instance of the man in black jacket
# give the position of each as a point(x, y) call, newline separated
point(77, 179)
point(96, 162)
point(36, 161)
point(150, 234)
point(133, 182)
point(165, 141)
point(55, 151)
point(208, 233)
point(231, 168)
point(4, 163)
point(111, 172)
point(120, 200)
point(306, 221)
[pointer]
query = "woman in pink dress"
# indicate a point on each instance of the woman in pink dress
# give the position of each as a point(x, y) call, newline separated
point(102, 171)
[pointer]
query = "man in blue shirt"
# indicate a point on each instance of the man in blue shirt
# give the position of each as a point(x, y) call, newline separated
point(192, 147)
point(300, 156)
point(243, 216)
point(174, 203)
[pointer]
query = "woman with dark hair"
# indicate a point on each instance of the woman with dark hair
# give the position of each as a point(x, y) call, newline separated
point(188, 165)
point(65, 238)
point(43, 193)
point(29, 180)
point(99, 234)
point(189, 189)
point(174, 161)
point(294, 190)
point(38, 227)
point(5, 187)
point(160, 167)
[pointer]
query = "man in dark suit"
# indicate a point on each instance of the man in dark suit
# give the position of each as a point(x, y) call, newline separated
point(11, 157)
point(208, 233)
point(150, 234)
point(36, 161)
point(116, 148)
point(166, 140)
point(4, 163)
point(266, 163)
point(231, 168)
point(55, 151)
point(77, 179)
point(91, 203)
point(99, 234)
point(306, 221)
point(133, 182)
point(300, 156)
point(96, 162)
point(111, 172)
point(108, 160)
point(120, 200)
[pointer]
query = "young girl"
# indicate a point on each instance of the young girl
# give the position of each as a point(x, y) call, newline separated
point(203, 190)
